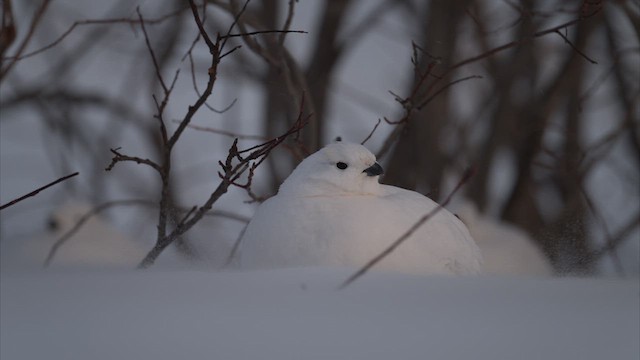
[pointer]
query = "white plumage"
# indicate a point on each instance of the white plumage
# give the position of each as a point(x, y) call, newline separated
point(506, 249)
point(332, 211)
point(95, 244)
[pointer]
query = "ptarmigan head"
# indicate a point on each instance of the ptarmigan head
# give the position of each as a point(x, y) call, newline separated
point(337, 169)
point(63, 218)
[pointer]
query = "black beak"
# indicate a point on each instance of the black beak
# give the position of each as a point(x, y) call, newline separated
point(374, 170)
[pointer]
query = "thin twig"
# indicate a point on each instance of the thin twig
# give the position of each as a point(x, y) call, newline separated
point(7, 28)
point(34, 23)
point(605, 228)
point(566, 40)
point(195, 86)
point(259, 32)
point(408, 103)
point(120, 157)
point(234, 23)
point(287, 22)
point(214, 50)
point(153, 55)
point(36, 191)
point(615, 240)
point(235, 248)
point(439, 91)
point(515, 43)
point(93, 22)
point(233, 167)
point(230, 134)
point(371, 133)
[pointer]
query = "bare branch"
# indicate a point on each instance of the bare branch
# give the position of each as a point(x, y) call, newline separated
point(34, 23)
point(120, 157)
point(259, 32)
point(153, 55)
point(409, 103)
point(235, 21)
point(214, 50)
point(234, 248)
point(127, 21)
point(614, 241)
point(7, 29)
point(195, 86)
point(231, 172)
point(520, 42)
point(36, 191)
point(371, 133)
point(287, 22)
point(225, 132)
point(566, 40)
point(444, 88)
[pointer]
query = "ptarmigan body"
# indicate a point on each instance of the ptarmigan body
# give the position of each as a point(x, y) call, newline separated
point(95, 244)
point(332, 211)
point(506, 249)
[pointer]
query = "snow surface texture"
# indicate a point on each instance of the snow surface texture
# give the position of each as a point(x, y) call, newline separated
point(331, 211)
point(506, 250)
point(297, 314)
point(95, 244)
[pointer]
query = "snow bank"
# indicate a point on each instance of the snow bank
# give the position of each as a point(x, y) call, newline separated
point(298, 314)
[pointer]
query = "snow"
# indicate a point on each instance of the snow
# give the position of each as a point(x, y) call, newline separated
point(298, 314)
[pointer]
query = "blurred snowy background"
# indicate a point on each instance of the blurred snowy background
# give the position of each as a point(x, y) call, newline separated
point(550, 122)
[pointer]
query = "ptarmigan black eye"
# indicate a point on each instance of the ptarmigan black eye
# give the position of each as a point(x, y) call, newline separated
point(342, 165)
point(52, 224)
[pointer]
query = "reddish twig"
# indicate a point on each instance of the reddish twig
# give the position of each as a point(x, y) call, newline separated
point(120, 157)
point(36, 191)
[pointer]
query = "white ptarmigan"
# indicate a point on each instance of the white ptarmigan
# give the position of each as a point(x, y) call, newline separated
point(332, 211)
point(97, 244)
point(506, 249)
